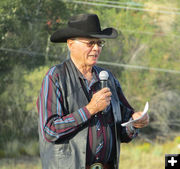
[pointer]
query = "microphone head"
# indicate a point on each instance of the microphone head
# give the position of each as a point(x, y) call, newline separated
point(103, 75)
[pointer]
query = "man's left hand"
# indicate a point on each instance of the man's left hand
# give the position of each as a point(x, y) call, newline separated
point(142, 122)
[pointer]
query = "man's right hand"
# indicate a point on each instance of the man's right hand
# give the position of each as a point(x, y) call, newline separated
point(99, 101)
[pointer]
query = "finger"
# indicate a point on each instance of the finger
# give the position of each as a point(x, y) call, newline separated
point(104, 90)
point(108, 94)
point(108, 99)
point(141, 121)
point(108, 103)
point(102, 97)
point(140, 124)
point(145, 120)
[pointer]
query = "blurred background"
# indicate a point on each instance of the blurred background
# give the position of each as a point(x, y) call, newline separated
point(145, 58)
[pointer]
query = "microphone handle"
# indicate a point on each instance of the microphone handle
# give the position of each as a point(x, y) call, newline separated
point(103, 84)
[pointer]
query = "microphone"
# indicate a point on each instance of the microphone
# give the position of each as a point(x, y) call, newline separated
point(103, 76)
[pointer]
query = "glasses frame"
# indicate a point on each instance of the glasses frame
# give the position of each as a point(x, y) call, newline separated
point(91, 43)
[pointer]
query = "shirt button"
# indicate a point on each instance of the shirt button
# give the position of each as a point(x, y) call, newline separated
point(95, 115)
point(97, 158)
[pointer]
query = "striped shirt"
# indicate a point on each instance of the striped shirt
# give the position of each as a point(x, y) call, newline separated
point(55, 124)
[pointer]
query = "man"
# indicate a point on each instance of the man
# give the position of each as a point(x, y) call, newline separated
point(80, 123)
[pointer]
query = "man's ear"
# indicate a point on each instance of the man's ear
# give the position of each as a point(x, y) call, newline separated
point(70, 43)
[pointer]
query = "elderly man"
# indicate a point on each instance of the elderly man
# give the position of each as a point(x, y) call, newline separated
point(79, 121)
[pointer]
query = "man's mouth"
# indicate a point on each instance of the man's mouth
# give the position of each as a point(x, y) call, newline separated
point(93, 56)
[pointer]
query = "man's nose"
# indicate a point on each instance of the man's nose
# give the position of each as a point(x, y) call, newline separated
point(96, 47)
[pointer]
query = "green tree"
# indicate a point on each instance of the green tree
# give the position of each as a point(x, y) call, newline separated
point(25, 28)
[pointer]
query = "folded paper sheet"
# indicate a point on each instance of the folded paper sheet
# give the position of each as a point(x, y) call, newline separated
point(143, 114)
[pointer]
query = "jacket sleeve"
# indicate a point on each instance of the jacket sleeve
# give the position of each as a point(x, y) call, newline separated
point(129, 132)
point(53, 123)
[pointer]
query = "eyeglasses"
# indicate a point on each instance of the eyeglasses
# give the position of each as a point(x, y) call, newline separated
point(91, 43)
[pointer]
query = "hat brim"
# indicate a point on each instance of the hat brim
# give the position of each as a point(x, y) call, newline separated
point(63, 34)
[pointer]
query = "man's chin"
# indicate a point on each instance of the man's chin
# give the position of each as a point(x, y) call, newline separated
point(94, 62)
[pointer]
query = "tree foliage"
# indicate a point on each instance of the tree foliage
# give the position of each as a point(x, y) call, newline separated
point(25, 28)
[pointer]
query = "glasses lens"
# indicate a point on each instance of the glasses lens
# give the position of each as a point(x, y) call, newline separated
point(91, 43)
point(100, 43)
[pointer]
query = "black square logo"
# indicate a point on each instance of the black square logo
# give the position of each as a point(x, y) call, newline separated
point(172, 161)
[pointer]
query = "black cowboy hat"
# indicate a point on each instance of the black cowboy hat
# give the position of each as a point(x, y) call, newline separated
point(83, 25)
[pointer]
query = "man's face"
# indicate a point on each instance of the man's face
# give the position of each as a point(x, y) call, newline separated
point(85, 51)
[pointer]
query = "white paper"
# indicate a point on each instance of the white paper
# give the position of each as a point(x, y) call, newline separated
point(143, 114)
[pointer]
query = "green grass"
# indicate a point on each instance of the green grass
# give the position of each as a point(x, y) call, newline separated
point(21, 163)
point(135, 155)
point(138, 155)
point(16, 149)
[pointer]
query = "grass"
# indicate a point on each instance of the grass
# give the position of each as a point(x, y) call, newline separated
point(135, 155)
point(138, 155)
point(16, 149)
point(25, 162)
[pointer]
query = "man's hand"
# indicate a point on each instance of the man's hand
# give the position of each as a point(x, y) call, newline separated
point(99, 101)
point(142, 122)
